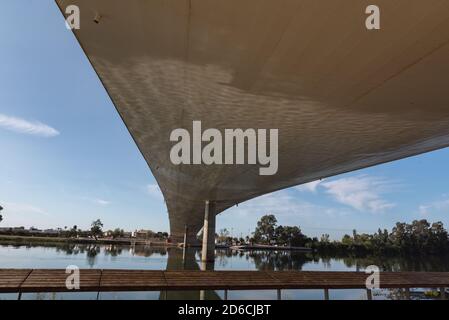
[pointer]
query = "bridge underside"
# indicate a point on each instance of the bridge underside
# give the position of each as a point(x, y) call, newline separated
point(342, 97)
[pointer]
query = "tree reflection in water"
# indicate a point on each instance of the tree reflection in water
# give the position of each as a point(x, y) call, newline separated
point(150, 257)
point(260, 259)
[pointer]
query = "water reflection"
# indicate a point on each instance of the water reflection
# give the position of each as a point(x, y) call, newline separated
point(61, 255)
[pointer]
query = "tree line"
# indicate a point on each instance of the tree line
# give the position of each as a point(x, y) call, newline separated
point(96, 231)
point(417, 236)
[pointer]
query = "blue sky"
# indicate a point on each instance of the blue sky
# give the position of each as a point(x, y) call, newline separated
point(66, 157)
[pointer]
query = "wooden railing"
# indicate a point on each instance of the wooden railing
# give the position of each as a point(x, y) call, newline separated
point(105, 280)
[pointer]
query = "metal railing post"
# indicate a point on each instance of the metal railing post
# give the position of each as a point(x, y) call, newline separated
point(369, 294)
point(407, 293)
point(442, 293)
point(326, 294)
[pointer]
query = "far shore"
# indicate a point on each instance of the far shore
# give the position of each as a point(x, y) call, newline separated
point(16, 239)
point(37, 239)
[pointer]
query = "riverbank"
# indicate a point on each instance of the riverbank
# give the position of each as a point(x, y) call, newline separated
point(8, 239)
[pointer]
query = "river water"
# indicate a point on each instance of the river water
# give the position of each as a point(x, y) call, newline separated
point(151, 258)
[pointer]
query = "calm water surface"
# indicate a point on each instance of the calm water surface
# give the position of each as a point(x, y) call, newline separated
point(151, 258)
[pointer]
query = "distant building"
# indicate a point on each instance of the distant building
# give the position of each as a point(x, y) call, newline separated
point(107, 234)
point(143, 234)
point(124, 234)
point(127, 234)
point(29, 232)
point(50, 231)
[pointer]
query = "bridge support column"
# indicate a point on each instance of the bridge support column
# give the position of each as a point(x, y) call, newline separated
point(208, 250)
point(188, 235)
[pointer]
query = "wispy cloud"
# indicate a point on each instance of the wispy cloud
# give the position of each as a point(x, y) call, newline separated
point(283, 204)
point(154, 191)
point(363, 193)
point(278, 203)
point(435, 206)
point(23, 214)
point(311, 186)
point(22, 208)
point(27, 127)
point(102, 202)
point(289, 209)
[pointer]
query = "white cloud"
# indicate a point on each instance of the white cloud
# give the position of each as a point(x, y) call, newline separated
point(23, 214)
point(440, 205)
point(27, 127)
point(311, 186)
point(363, 193)
point(102, 202)
point(22, 208)
point(286, 206)
point(154, 191)
point(280, 203)
point(289, 209)
point(424, 210)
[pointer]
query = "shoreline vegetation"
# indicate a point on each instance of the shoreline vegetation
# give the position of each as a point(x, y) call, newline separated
point(20, 239)
point(75, 235)
point(416, 238)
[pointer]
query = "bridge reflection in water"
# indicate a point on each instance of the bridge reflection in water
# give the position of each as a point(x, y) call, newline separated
point(187, 260)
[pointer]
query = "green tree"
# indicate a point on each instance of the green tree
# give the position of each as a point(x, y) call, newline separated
point(325, 238)
point(439, 236)
point(96, 229)
point(118, 233)
point(347, 240)
point(162, 235)
point(292, 236)
point(1, 217)
point(223, 235)
point(74, 231)
point(265, 230)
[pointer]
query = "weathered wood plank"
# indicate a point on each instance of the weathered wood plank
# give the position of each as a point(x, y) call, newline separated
point(12, 279)
point(54, 280)
point(133, 280)
point(236, 280)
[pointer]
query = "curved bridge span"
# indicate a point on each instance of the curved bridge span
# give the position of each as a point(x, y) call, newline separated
point(342, 97)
